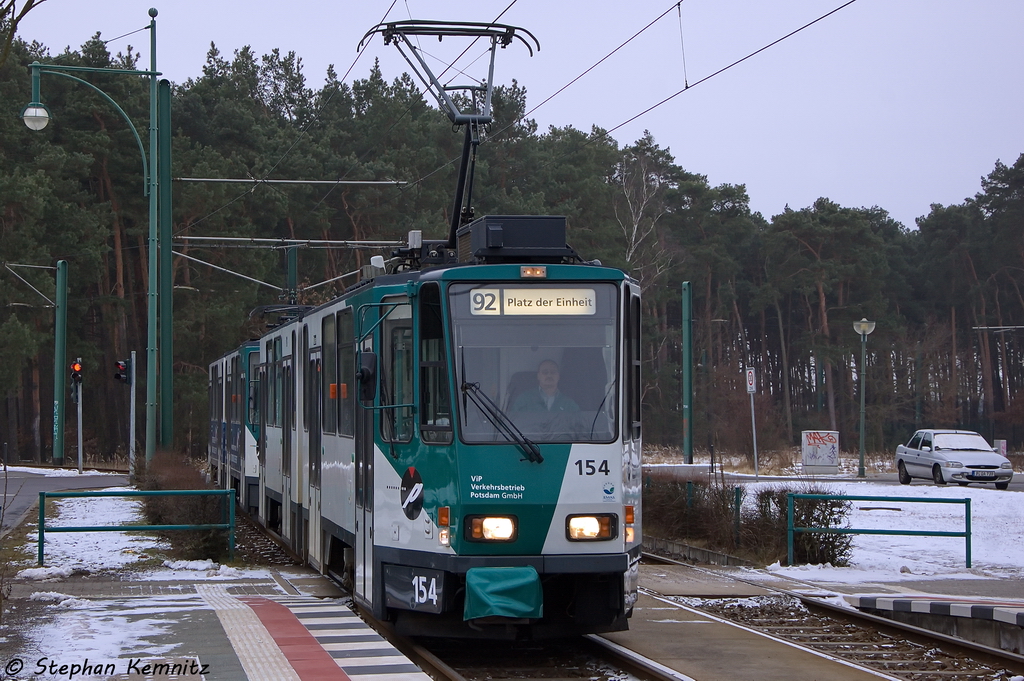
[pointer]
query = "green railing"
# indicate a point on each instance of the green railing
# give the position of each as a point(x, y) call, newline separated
point(227, 514)
point(791, 530)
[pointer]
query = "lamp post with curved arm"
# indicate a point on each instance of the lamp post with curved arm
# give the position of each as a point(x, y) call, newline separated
point(36, 117)
point(863, 327)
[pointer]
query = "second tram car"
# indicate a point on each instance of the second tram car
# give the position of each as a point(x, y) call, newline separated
point(456, 437)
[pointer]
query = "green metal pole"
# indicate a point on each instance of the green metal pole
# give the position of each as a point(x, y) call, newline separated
point(789, 529)
point(687, 373)
point(166, 273)
point(42, 524)
point(738, 502)
point(863, 356)
point(230, 539)
point(967, 528)
point(60, 326)
point(151, 297)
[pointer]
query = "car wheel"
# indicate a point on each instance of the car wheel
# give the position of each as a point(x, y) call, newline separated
point(937, 475)
point(1002, 485)
point(904, 475)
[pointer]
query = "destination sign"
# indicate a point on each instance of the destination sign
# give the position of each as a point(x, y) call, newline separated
point(533, 301)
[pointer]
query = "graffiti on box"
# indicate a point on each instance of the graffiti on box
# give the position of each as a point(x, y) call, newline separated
point(820, 448)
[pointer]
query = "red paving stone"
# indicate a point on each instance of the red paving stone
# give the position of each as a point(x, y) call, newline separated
point(306, 656)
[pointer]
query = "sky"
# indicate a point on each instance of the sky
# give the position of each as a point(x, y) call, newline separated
point(899, 105)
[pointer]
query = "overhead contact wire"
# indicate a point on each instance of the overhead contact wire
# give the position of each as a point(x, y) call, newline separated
point(555, 94)
point(302, 133)
point(720, 71)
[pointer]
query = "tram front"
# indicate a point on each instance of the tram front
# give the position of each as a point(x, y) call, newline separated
point(536, 500)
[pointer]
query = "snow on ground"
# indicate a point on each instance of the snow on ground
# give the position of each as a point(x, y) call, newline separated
point(997, 534)
point(67, 552)
point(104, 630)
point(199, 570)
point(56, 472)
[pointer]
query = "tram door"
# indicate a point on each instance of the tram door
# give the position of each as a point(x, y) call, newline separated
point(311, 528)
point(364, 498)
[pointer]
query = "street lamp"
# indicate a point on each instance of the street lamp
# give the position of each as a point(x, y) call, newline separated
point(863, 327)
point(36, 117)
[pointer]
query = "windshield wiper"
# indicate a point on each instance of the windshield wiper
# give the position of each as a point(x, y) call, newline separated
point(501, 421)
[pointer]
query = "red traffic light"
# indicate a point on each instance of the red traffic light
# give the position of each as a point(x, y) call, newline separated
point(121, 374)
point(76, 372)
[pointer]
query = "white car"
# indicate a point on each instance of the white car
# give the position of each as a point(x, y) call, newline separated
point(960, 456)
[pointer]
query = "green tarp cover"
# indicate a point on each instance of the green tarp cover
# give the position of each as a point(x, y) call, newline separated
point(503, 591)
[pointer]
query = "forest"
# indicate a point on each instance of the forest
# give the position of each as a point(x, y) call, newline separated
point(778, 294)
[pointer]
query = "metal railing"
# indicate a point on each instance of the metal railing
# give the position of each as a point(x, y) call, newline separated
point(791, 530)
point(227, 514)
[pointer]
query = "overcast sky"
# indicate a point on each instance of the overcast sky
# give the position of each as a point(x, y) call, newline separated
point(892, 103)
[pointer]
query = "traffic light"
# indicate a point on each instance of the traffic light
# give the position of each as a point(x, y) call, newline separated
point(76, 380)
point(123, 371)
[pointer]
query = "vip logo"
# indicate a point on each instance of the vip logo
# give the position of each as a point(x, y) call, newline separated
point(476, 478)
point(411, 493)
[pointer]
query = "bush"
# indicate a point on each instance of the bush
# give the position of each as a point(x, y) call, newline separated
point(705, 515)
point(170, 472)
point(765, 524)
point(692, 511)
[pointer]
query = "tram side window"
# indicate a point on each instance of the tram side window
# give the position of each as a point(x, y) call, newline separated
point(279, 393)
point(329, 375)
point(253, 388)
point(234, 381)
point(346, 372)
point(397, 380)
point(216, 399)
point(632, 366)
point(271, 384)
point(435, 403)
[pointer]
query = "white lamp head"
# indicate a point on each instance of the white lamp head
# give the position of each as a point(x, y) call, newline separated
point(36, 116)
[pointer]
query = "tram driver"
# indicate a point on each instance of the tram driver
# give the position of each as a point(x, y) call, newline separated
point(546, 397)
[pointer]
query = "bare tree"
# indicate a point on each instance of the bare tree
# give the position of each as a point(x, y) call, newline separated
point(10, 17)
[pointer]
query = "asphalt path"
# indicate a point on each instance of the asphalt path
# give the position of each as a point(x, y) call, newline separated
point(21, 490)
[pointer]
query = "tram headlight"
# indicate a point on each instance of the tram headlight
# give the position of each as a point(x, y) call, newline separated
point(500, 528)
point(598, 527)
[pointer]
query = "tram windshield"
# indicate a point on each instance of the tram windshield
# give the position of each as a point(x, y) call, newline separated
point(545, 355)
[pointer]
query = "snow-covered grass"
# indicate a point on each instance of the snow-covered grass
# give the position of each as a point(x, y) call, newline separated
point(68, 552)
point(57, 472)
point(997, 534)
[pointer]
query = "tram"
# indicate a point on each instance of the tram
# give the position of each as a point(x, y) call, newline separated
point(457, 436)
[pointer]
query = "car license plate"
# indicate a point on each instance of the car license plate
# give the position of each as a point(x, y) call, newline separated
point(984, 474)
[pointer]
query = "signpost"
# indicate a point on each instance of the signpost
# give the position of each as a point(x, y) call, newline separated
point(751, 389)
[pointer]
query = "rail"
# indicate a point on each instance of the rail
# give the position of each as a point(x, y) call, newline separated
point(791, 530)
point(227, 514)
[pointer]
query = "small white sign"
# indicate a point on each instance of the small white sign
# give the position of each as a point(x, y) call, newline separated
point(751, 381)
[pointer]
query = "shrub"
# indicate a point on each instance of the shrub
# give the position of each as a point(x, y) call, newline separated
point(694, 511)
point(705, 514)
point(765, 524)
point(170, 472)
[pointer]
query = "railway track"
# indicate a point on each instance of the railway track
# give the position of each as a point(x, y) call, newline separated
point(578, 658)
point(888, 648)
